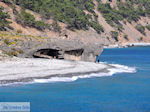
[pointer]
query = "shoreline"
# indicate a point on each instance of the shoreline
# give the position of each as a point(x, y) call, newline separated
point(126, 45)
point(24, 70)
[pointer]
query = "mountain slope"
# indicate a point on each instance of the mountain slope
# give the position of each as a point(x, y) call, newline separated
point(90, 21)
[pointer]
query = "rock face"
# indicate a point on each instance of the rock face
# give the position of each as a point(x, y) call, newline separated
point(69, 51)
point(51, 48)
point(82, 54)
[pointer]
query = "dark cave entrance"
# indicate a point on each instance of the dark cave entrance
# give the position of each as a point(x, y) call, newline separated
point(75, 55)
point(77, 52)
point(59, 54)
point(48, 53)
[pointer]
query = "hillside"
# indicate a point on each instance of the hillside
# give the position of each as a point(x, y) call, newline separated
point(103, 22)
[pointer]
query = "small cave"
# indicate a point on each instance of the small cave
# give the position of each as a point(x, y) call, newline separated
point(73, 54)
point(77, 52)
point(48, 53)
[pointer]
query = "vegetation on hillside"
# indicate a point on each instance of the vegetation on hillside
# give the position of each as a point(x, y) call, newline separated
point(114, 35)
point(70, 12)
point(148, 27)
point(27, 19)
point(4, 23)
point(131, 10)
point(140, 28)
point(7, 1)
point(78, 14)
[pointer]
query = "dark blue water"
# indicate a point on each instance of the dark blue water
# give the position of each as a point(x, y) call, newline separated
point(118, 93)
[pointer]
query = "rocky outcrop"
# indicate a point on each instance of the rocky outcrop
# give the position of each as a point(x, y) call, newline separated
point(83, 53)
point(69, 50)
point(51, 48)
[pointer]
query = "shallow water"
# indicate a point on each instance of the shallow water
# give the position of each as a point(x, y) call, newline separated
point(118, 93)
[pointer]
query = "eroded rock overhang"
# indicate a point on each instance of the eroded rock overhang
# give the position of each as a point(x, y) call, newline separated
point(69, 52)
point(55, 49)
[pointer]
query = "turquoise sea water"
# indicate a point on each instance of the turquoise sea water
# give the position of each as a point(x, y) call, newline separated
point(118, 93)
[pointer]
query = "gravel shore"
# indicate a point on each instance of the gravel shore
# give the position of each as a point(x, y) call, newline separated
point(26, 70)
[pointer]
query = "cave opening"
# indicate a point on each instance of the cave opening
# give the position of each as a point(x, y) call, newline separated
point(48, 53)
point(75, 55)
point(77, 52)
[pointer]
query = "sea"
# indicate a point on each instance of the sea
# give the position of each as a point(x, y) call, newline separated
point(119, 92)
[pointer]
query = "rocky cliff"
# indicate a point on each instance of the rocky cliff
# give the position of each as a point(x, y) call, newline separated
point(92, 22)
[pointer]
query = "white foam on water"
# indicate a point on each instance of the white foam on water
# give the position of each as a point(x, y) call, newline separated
point(121, 69)
point(69, 79)
point(117, 69)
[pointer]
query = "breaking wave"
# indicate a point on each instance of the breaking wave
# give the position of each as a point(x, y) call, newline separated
point(115, 70)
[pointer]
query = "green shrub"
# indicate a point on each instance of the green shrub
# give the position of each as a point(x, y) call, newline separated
point(115, 35)
point(9, 43)
point(140, 28)
point(27, 19)
point(4, 23)
point(7, 1)
point(56, 27)
point(41, 25)
point(148, 27)
point(97, 27)
point(6, 41)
